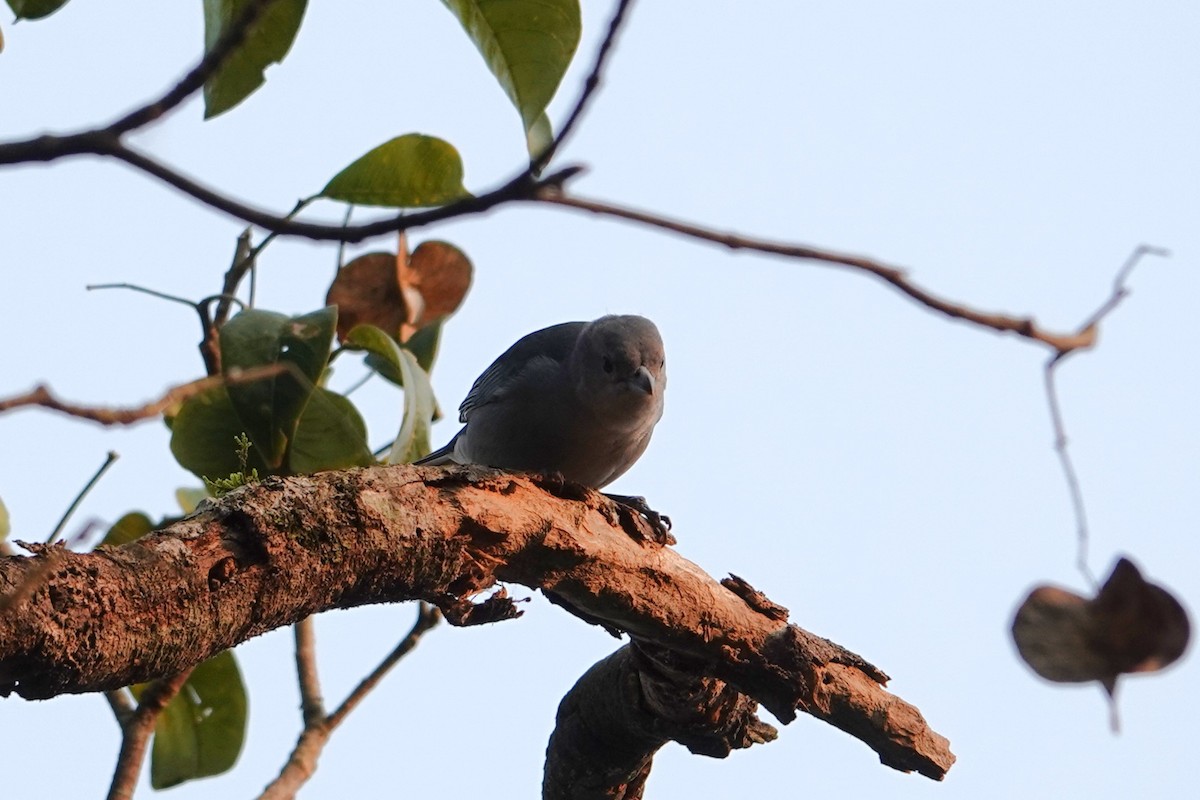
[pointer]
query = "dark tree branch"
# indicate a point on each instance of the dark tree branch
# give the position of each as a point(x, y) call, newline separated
point(213, 60)
point(625, 708)
point(590, 85)
point(274, 552)
point(106, 141)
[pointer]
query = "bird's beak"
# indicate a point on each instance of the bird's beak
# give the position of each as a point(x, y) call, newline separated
point(642, 379)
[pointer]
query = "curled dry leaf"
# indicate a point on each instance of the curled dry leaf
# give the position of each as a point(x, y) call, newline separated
point(367, 291)
point(1131, 625)
point(433, 280)
point(400, 293)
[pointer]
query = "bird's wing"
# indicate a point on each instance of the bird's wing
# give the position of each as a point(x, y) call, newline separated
point(554, 343)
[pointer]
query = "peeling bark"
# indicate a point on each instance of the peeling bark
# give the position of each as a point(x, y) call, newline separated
point(273, 553)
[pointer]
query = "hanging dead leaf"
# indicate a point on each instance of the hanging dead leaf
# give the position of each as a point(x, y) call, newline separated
point(433, 281)
point(1130, 626)
point(401, 293)
point(367, 291)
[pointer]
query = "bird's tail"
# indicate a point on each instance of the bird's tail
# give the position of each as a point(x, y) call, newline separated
point(443, 455)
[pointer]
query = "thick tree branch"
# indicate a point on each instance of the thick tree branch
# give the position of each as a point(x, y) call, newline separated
point(274, 552)
point(629, 705)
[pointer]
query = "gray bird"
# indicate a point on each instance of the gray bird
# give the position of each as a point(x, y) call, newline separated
point(579, 399)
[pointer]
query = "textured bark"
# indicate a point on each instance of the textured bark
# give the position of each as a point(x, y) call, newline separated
point(275, 552)
point(625, 708)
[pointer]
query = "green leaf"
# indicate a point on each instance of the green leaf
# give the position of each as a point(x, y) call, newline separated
point(331, 435)
point(203, 433)
point(266, 43)
point(410, 171)
point(412, 441)
point(201, 731)
point(527, 45)
point(424, 345)
point(133, 525)
point(5, 528)
point(189, 498)
point(35, 9)
point(539, 136)
point(270, 408)
point(381, 351)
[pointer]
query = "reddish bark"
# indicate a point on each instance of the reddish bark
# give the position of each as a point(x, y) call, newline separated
point(273, 553)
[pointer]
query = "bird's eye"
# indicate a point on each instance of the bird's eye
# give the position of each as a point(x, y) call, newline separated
point(608, 365)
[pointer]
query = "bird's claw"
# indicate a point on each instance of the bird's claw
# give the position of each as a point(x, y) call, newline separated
point(660, 524)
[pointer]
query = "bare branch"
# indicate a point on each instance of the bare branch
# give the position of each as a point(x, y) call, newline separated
point(41, 396)
point(109, 460)
point(1089, 328)
point(428, 617)
point(302, 762)
point(626, 707)
point(274, 552)
point(136, 731)
point(121, 704)
point(312, 705)
point(1024, 327)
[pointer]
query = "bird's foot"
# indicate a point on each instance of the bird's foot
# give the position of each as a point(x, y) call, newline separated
point(660, 524)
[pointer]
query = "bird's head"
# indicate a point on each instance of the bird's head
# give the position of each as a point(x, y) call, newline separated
point(619, 370)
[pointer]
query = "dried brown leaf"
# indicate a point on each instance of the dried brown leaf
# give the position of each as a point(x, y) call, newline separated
point(433, 280)
point(367, 291)
point(1131, 625)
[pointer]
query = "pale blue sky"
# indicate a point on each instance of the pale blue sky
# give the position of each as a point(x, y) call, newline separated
point(885, 473)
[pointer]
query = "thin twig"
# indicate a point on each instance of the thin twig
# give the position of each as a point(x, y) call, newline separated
point(109, 460)
point(427, 619)
point(243, 257)
point(212, 61)
point(40, 396)
point(354, 387)
point(1025, 327)
point(1072, 478)
point(312, 705)
point(245, 260)
point(1090, 326)
point(121, 703)
point(136, 730)
point(133, 287)
point(302, 762)
point(209, 351)
point(589, 87)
